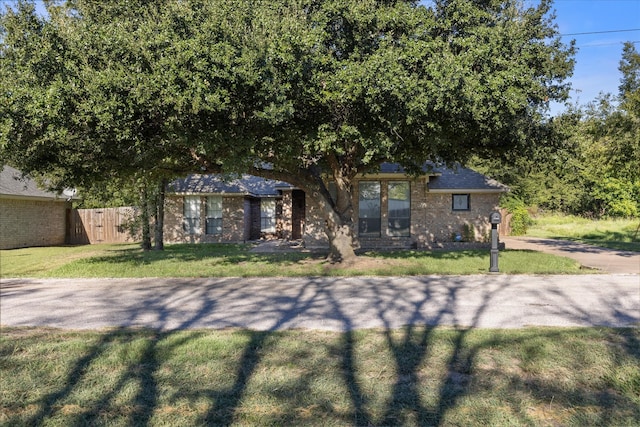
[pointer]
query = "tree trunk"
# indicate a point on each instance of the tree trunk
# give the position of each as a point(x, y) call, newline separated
point(342, 243)
point(159, 216)
point(144, 219)
point(339, 226)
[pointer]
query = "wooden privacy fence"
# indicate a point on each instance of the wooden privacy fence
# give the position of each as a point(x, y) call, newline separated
point(106, 225)
point(504, 228)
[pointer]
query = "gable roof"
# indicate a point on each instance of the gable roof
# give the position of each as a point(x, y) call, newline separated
point(446, 180)
point(245, 185)
point(13, 185)
point(464, 180)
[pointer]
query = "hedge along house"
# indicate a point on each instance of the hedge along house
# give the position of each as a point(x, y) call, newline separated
point(30, 216)
point(391, 209)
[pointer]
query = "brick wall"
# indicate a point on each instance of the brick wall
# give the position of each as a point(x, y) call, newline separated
point(285, 225)
point(433, 219)
point(314, 234)
point(25, 223)
point(233, 228)
point(443, 223)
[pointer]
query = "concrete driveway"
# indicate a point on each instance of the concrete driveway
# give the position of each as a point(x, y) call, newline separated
point(339, 304)
point(607, 260)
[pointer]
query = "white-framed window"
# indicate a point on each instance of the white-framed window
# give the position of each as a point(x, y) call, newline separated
point(399, 208)
point(460, 202)
point(214, 215)
point(191, 215)
point(369, 208)
point(268, 216)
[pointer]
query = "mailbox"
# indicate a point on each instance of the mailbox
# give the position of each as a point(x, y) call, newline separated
point(495, 218)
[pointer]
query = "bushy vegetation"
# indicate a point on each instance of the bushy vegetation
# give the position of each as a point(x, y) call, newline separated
point(588, 162)
point(521, 219)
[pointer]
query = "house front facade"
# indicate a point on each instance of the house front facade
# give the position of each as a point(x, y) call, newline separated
point(391, 209)
point(212, 209)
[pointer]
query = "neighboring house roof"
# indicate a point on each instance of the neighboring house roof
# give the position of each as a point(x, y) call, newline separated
point(442, 179)
point(246, 185)
point(13, 185)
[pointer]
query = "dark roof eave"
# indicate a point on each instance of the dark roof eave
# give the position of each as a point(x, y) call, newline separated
point(40, 198)
point(468, 190)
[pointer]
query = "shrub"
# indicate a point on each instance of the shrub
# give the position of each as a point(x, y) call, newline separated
point(616, 197)
point(468, 233)
point(520, 218)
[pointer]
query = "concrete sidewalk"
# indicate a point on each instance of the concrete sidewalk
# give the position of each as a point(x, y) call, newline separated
point(607, 260)
point(339, 304)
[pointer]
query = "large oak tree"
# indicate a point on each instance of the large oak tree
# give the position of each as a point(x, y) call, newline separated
point(306, 91)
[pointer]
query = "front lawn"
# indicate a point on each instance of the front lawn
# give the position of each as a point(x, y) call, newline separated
point(228, 260)
point(412, 376)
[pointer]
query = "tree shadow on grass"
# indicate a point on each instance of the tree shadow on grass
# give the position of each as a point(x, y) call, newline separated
point(142, 373)
point(410, 347)
point(233, 254)
point(220, 254)
point(141, 370)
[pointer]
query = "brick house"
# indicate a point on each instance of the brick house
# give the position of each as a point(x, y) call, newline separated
point(392, 210)
point(210, 208)
point(29, 216)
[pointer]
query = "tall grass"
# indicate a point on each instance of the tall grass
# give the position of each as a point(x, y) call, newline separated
point(411, 376)
point(620, 234)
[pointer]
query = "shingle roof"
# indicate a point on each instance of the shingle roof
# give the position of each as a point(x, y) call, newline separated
point(455, 179)
point(464, 179)
point(12, 184)
point(428, 168)
point(442, 179)
point(247, 185)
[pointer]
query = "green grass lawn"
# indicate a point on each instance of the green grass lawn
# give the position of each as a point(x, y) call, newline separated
point(228, 260)
point(411, 376)
point(611, 233)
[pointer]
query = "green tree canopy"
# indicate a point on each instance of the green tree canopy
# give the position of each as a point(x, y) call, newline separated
point(304, 91)
point(590, 162)
point(99, 93)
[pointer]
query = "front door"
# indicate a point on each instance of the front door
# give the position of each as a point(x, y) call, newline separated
point(298, 209)
point(254, 215)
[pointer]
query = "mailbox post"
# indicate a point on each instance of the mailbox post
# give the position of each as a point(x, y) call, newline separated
point(494, 218)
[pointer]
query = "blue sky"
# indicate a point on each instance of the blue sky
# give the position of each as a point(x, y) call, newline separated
point(598, 56)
